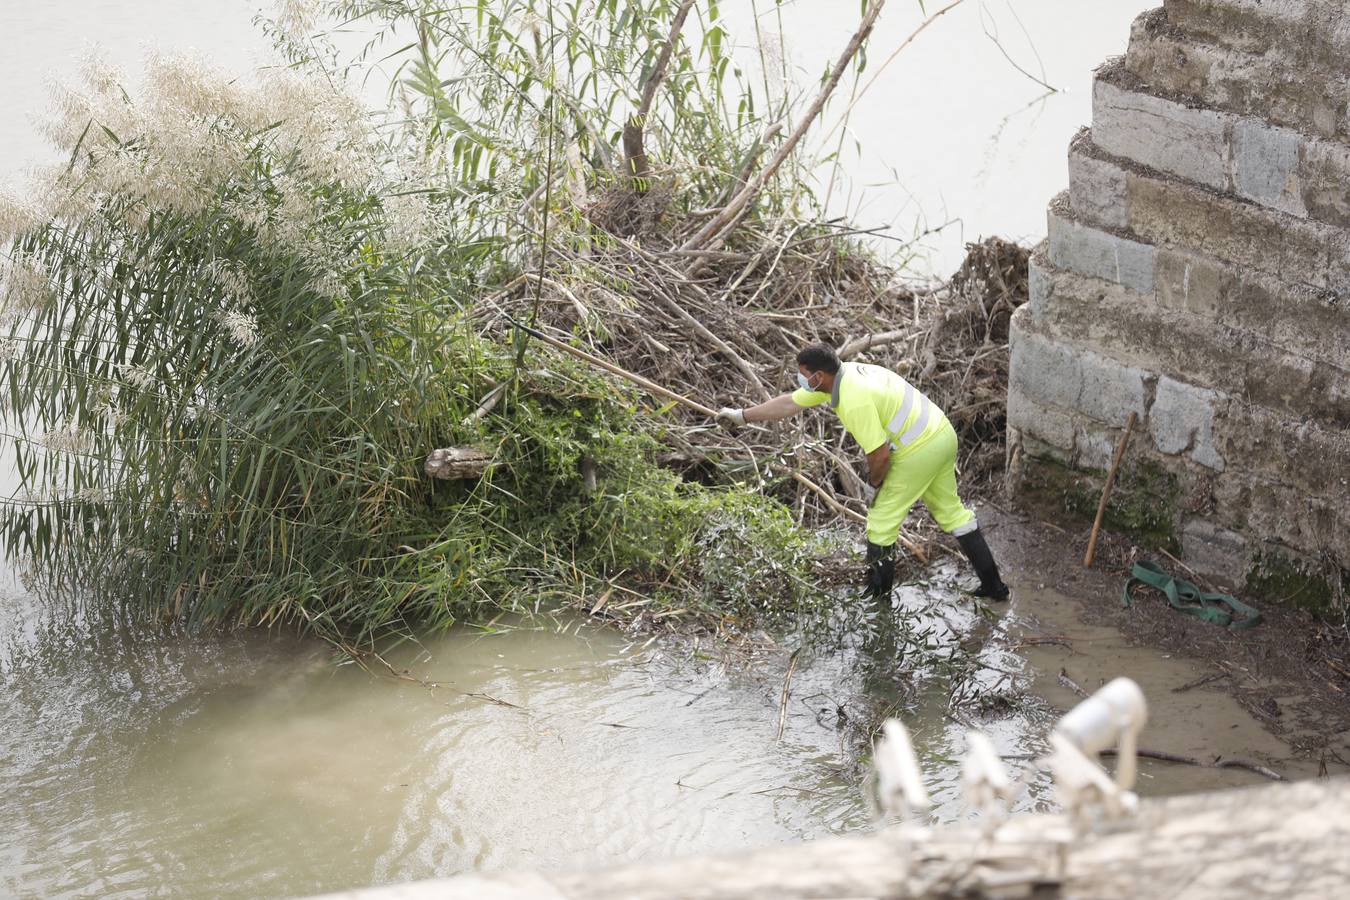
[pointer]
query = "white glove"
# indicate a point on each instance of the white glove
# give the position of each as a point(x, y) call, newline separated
point(731, 418)
point(869, 493)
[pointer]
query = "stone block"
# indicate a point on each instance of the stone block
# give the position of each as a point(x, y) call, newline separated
point(1094, 446)
point(1101, 254)
point(1215, 551)
point(1266, 165)
point(1271, 88)
point(1085, 312)
point(1052, 426)
point(1039, 285)
point(1111, 390)
point(1040, 369)
point(1161, 134)
point(1035, 448)
point(1192, 284)
point(1097, 191)
point(1324, 171)
point(1181, 420)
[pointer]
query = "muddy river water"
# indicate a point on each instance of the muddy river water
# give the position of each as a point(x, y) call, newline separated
point(137, 761)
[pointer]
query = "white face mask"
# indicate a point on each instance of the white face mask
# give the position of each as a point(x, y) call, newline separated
point(801, 380)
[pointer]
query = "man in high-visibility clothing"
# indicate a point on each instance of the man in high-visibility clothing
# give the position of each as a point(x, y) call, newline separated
point(911, 455)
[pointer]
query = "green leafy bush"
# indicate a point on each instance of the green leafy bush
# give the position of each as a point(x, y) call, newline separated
point(234, 326)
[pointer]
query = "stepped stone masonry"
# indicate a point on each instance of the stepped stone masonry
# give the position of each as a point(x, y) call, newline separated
point(1197, 274)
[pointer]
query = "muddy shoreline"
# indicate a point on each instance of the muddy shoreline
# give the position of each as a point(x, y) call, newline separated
point(1284, 673)
point(1255, 699)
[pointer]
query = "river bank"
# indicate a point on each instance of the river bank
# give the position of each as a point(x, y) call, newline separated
point(1289, 674)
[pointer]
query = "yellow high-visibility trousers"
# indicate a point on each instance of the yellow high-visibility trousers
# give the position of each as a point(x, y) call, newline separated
point(927, 473)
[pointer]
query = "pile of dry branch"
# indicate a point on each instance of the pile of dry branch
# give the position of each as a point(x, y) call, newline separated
point(723, 327)
point(715, 303)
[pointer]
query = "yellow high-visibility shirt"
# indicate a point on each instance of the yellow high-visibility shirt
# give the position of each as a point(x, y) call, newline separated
point(876, 405)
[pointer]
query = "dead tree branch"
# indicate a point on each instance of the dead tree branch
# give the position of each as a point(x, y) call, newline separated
point(635, 154)
point(714, 232)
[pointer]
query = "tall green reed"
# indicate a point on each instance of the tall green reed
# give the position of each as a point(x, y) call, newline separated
point(235, 322)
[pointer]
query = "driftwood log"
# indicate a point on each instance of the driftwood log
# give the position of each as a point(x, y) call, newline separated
point(1282, 840)
point(457, 463)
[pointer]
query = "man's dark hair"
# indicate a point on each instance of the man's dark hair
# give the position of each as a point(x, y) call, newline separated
point(819, 358)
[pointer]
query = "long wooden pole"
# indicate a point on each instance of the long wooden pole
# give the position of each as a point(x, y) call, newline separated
point(655, 388)
point(610, 367)
point(1106, 490)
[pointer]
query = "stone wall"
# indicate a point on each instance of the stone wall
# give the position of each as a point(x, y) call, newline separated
point(1197, 273)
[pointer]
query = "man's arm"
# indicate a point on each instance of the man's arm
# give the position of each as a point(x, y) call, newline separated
point(780, 407)
point(878, 464)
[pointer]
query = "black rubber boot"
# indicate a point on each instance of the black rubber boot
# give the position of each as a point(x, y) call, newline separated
point(977, 551)
point(880, 570)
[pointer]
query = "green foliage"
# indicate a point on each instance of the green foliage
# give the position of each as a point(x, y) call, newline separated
point(281, 481)
point(488, 87)
point(234, 352)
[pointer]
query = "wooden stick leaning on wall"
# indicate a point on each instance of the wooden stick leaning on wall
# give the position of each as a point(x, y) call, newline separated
point(657, 389)
point(1106, 490)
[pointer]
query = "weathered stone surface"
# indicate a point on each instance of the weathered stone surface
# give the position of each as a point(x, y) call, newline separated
point(1057, 374)
point(1111, 391)
point(1266, 165)
point(1101, 254)
point(1053, 426)
point(1038, 285)
point(1214, 551)
point(1277, 515)
point(1163, 210)
point(1295, 318)
point(1181, 420)
point(1274, 88)
point(1200, 268)
point(1251, 158)
point(1188, 142)
point(1094, 445)
point(1313, 459)
point(1039, 368)
point(1097, 190)
point(1085, 313)
point(1324, 170)
point(1307, 33)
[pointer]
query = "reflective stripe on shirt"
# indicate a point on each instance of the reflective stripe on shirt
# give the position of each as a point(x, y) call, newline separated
point(902, 415)
point(906, 407)
point(920, 425)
